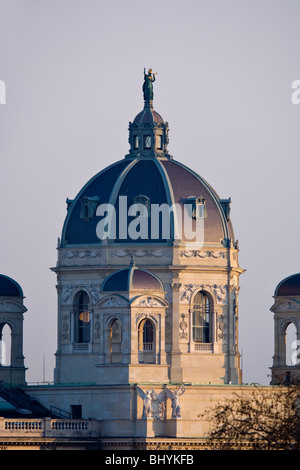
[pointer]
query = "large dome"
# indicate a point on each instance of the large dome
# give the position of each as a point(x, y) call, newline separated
point(147, 175)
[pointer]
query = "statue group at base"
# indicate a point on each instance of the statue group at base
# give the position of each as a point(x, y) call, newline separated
point(154, 404)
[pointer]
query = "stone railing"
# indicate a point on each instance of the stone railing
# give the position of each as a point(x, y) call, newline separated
point(47, 427)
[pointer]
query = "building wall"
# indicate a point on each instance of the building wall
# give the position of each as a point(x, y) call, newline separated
point(122, 413)
point(183, 272)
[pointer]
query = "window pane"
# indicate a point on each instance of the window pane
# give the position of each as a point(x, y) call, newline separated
point(200, 210)
point(197, 334)
point(201, 318)
point(148, 332)
point(160, 142)
point(147, 142)
point(82, 318)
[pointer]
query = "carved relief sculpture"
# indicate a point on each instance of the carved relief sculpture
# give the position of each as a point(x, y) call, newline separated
point(154, 404)
point(176, 409)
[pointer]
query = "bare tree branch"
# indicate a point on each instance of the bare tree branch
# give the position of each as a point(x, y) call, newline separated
point(265, 419)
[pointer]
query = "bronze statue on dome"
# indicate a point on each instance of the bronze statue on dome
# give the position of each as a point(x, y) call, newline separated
point(149, 79)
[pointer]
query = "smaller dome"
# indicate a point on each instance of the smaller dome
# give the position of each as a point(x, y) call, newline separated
point(289, 286)
point(132, 278)
point(9, 287)
point(148, 116)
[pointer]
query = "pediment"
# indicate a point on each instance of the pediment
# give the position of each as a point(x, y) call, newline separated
point(10, 306)
point(286, 306)
point(148, 301)
point(113, 301)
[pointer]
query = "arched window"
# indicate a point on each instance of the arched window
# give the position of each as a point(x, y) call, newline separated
point(147, 342)
point(5, 345)
point(116, 340)
point(291, 357)
point(82, 324)
point(201, 318)
point(148, 335)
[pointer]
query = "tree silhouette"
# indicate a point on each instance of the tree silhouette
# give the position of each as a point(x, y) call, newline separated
point(267, 418)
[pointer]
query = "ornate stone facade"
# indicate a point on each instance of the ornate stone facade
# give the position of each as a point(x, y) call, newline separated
point(147, 332)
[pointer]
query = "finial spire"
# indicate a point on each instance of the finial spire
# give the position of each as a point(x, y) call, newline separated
point(149, 79)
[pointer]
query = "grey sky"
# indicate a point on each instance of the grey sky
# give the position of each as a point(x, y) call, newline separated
point(73, 71)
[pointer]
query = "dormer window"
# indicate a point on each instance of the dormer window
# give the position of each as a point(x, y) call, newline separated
point(197, 207)
point(144, 200)
point(88, 207)
point(147, 142)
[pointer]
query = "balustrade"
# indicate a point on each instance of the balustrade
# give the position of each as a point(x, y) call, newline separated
point(47, 427)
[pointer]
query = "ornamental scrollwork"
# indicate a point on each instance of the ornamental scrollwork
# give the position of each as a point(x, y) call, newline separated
point(97, 327)
point(140, 316)
point(183, 326)
point(139, 253)
point(65, 328)
point(148, 302)
point(113, 302)
point(68, 291)
point(81, 254)
point(222, 327)
point(202, 254)
point(175, 286)
point(187, 290)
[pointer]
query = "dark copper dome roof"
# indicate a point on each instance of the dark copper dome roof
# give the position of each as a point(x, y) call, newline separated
point(152, 175)
point(132, 278)
point(148, 116)
point(9, 287)
point(289, 286)
point(161, 182)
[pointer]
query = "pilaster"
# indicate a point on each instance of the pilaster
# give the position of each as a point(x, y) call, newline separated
point(176, 368)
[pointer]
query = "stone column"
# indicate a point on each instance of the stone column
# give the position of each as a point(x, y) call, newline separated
point(134, 337)
point(175, 369)
point(163, 356)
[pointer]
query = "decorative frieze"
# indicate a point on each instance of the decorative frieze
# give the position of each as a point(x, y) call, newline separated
point(148, 302)
point(140, 253)
point(114, 302)
point(287, 307)
point(9, 307)
point(67, 292)
point(151, 316)
point(81, 254)
point(202, 254)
